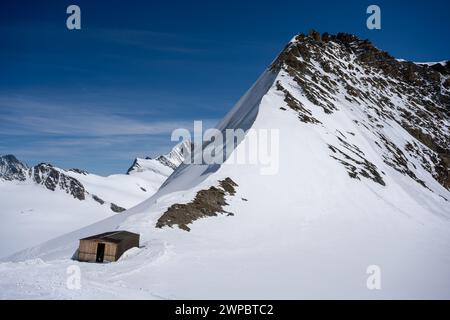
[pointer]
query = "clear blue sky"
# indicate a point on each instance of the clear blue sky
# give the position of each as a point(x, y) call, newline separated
point(98, 97)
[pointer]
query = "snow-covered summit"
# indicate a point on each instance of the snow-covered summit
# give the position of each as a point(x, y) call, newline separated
point(170, 160)
point(176, 156)
point(11, 168)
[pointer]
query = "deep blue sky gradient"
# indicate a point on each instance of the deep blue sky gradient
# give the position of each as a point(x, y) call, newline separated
point(98, 97)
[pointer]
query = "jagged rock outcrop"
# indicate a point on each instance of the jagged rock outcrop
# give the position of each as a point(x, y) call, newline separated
point(12, 169)
point(116, 208)
point(52, 178)
point(414, 95)
point(79, 171)
point(207, 203)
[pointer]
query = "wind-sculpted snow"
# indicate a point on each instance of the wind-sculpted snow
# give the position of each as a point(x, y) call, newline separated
point(241, 117)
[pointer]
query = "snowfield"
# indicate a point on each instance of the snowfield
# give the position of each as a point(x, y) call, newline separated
point(31, 214)
point(126, 190)
point(309, 231)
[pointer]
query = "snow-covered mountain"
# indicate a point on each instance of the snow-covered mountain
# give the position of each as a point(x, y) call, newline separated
point(53, 179)
point(12, 169)
point(362, 182)
point(176, 156)
point(163, 164)
point(45, 201)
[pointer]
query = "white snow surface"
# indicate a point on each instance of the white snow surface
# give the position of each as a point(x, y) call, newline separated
point(442, 63)
point(126, 190)
point(309, 231)
point(31, 214)
point(175, 157)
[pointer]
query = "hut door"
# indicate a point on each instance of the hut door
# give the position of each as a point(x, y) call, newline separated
point(100, 252)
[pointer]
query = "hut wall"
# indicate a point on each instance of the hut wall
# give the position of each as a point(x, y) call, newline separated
point(88, 250)
point(127, 243)
point(110, 251)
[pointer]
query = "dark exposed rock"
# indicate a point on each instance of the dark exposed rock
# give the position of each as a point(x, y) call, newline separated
point(441, 159)
point(443, 69)
point(446, 84)
point(300, 37)
point(116, 208)
point(46, 175)
point(12, 169)
point(398, 160)
point(424, 91)
point(49, 177)
point(133, 166)
point(79, 171)
point(315, 35)
point(304, 114)
point(206, 203)
point(166, 162)
point(355, 163)
point(99, 200)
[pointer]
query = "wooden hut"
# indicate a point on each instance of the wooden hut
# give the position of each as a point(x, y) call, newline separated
point(108, 246)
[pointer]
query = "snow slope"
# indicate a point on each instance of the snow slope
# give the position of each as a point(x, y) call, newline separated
point(125, 190)
point(142, 180)
point(356, 187)
point(32, 212)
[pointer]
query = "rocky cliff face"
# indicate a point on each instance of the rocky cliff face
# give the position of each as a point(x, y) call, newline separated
point(416, 96)
point(52, 178)
point(48, 176)
point(12, 169)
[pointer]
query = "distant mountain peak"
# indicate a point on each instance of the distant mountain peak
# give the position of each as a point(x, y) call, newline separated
point(170, 160)
point(10, 158)
point(79, 171)
point(53, 178)
point(12, 169)
point(177, 155)
point(50, 177)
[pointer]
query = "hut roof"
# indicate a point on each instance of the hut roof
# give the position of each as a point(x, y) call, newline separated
point(112, 236)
